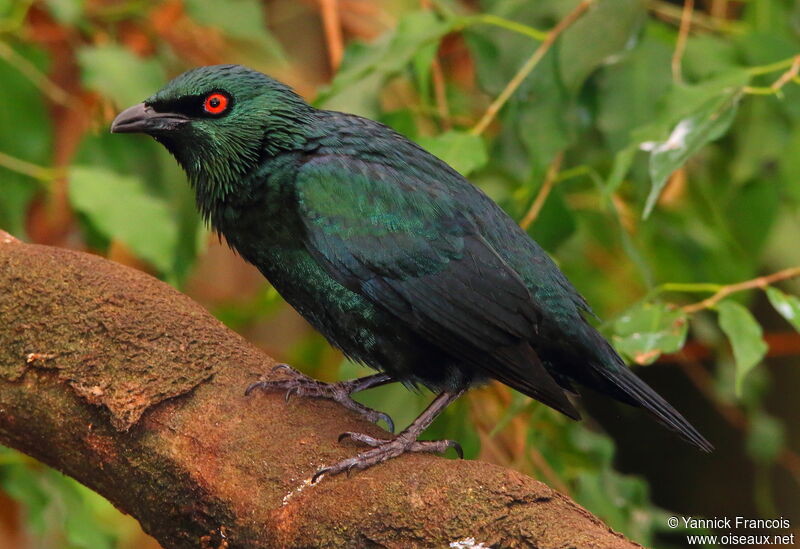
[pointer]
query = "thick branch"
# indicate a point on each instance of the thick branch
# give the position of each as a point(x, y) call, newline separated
point(136, 391)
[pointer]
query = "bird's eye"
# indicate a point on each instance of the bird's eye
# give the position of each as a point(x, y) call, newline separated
point(215, 103)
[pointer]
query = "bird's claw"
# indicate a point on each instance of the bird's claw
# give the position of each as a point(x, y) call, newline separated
point(454, 444)
point(383, 450)
point(382, 416)
point(318, 474)
point(298, 384)
point(289, 392)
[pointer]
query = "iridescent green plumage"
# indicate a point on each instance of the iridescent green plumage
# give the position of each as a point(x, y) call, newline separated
point(398, 260)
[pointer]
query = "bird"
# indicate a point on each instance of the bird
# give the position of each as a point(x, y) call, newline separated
point(392, 255)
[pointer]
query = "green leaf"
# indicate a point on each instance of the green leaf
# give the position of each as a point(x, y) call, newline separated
point(463, 151)
point(623, 161)
point(66, 11)
point(708, 123)
point(746, 338)
point(788, 306)
point(629, 91)
point(603, 32)
point(26, 133)
point(647, 331)
point(765, 438)
point(58, 510)
point(384, 57)
point(120, 74)
point(121, 208)
point(242, 20)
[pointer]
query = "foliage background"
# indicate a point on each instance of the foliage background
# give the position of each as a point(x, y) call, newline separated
point(657, 165)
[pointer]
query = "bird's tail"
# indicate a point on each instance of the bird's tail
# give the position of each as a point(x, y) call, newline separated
point(636, 392)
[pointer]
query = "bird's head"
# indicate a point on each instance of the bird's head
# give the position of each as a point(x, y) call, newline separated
point(219, 122)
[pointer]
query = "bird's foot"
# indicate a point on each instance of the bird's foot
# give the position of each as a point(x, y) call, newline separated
point(301, 385)
point(383, 450)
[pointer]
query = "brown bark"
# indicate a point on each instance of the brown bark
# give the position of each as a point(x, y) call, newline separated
point(129, 386)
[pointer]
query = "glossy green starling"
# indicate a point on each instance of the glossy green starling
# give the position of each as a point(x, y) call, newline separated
point(392, 255)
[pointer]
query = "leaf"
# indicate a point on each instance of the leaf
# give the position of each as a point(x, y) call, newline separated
point(242, 20)
point(753, 211)
point(119, 74)
point(765, 438)
point(629, 91)
point(601, 34)
point(623, 161)
point(649, 330)
point(708, 123)
point(384, 57)
point(66, 11)
point(463, 151)
point(120, 207)
point(57, 507)
point(746, 338)
point(26, 133)
point(788, 306)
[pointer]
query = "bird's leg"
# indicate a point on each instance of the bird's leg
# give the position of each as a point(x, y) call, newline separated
point(406, 441)
point(301, 385)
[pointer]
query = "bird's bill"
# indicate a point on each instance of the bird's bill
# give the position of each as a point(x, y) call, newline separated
point(143, 119)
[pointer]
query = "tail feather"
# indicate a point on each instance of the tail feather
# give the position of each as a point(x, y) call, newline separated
point(624, 379)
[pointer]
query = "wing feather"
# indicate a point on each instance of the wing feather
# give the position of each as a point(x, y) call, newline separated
point(409, 248)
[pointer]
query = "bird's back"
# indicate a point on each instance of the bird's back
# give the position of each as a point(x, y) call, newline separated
point(570, 349)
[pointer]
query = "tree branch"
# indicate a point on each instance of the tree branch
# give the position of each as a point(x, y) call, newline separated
point(127, 385)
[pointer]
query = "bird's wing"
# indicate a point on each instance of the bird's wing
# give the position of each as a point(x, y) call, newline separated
point(409, 248)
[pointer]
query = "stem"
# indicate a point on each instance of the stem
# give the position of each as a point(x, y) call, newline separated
point(789, 76)
point(329, 9)
point(51, 90)
point(440, 90)
point(772, 67)
point(725, 291)
point(27, 168)
point(665, 10)
point(529, 65)
point(549, 180)
point(497, 21)
point(680, 45)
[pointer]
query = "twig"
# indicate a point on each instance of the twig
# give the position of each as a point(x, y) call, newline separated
point(771, 67)
point(439, 85)
point(680, 45)
point(27, 168)
point(51, 90)
point(329, 9)
point(719, 9)
point(549, 180)
point(725, 291)
point(789, 76)
point(673, 13)
point(497, 21)
point(529, 65)
point(440, 90)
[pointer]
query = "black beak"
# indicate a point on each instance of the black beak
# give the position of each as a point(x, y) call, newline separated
point(143, 119)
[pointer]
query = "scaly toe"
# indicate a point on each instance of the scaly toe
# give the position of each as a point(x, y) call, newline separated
point(364, 439)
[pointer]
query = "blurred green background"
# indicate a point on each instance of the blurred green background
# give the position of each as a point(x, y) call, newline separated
point(654, 151)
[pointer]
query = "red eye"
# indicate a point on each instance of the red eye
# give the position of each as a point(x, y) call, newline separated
point(215, 103)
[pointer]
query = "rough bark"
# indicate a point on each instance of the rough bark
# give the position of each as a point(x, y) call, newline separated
point(125, 384)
